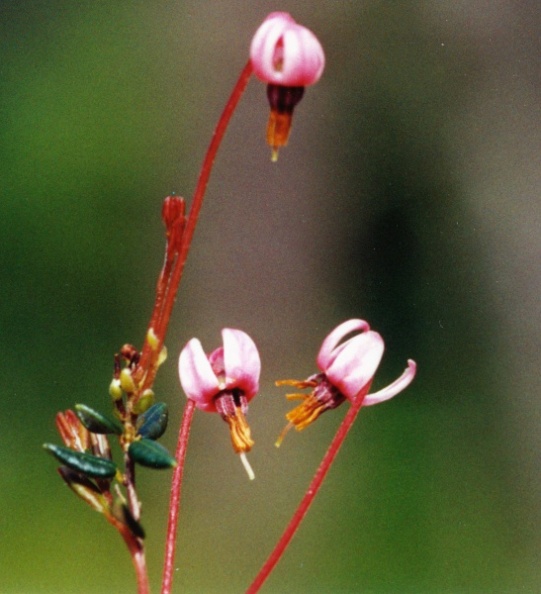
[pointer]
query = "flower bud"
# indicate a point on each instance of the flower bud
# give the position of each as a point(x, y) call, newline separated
point(126, 381)
point(115, 389)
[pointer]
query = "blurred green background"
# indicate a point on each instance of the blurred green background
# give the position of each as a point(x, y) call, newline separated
point(408, 196)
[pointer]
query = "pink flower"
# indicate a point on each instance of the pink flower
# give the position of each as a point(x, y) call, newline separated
point(347, 370)
point(288, 57)
point(286, 53)
point(224, 382)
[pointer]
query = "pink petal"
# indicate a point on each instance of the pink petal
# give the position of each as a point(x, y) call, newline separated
point(355, 365)
point(326, 356)
point(395, 388)
point(196, 376)
point(241, 361)
point(302, 57)
point(263, 46)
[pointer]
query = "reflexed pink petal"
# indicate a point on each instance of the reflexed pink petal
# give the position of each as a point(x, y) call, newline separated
point(326, 353)
point(395, 388)
point(267, 35)
point(196, 375)
point(303, 58)
point(264, 44)
point(285, 53)
point(356, 363)
point(241, 361)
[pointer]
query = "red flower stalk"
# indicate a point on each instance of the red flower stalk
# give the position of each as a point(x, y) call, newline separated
point(346, 367)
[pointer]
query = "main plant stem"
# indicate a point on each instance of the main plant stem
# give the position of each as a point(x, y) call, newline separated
point(140, 564)
point(168, 284)
point(310, 494)
point(168, 302)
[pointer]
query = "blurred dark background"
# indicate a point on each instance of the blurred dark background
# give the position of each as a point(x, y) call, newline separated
point(408, 196)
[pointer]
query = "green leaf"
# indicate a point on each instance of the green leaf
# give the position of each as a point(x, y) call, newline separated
point(153, 422)
point(97, 422)
point(150, 453)
point(82, 462)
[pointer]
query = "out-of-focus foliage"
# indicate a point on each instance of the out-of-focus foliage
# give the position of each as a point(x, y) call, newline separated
point(408, 195)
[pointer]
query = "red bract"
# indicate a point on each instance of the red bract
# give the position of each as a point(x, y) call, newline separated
point(286, 53)
point(347, 370)
point(224, 382)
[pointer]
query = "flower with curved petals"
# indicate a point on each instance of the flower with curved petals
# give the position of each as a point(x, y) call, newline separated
point(347, 370)
point(288, 57)
point(224, 382)
point(286, 53)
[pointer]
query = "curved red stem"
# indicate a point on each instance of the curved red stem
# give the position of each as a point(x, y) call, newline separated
point(171, 284)
point(310, 494)
point(168, 302)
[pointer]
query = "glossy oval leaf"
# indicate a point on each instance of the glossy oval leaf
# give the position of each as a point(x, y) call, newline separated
point(153, 422)
point(97, 422)
point(151, 454)
point(82, 462)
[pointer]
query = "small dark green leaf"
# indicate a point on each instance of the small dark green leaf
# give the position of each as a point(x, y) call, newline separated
point(97, 422)
point(150, 453)
point(82, 462)
point(153, 422)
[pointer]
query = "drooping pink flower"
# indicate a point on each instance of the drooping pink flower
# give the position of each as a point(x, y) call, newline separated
point(288, 57)
point(224, 382)
point(347, 370)
point(286, 53)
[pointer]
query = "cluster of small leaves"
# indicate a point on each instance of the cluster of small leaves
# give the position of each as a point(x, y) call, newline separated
point(87, 464)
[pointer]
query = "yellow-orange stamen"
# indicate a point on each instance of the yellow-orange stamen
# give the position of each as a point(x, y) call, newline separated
point(296, 396)
point(278, 129)
point(301, 384)
point(240, 431)
point(306, 413)
point(285, 430)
